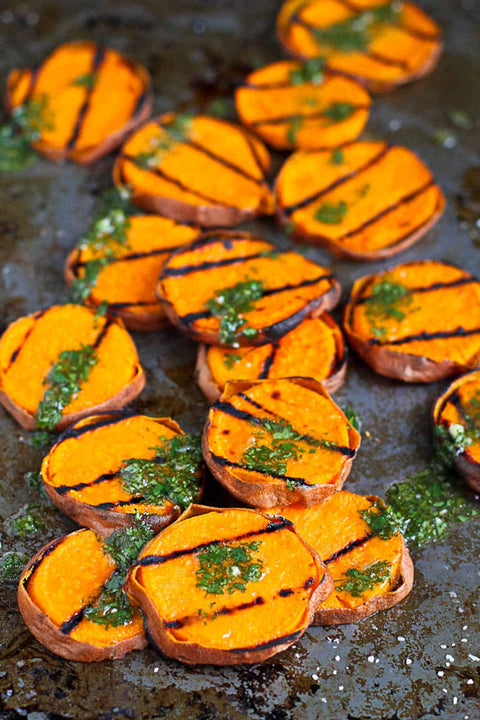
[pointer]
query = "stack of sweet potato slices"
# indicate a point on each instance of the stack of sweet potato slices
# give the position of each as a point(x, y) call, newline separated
point(92, 97)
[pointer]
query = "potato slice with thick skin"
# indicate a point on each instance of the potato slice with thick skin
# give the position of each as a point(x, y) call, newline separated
point(288, 111)
point(417, 322)
point(56, 587)
point(368, 201)
point(380, 44)
point(32, 345)
point(200, 607)
point(91, 97)
point(280, 441)
point(459, 406)
point(81, 473)
point(196, 169)
point(315, 348)
point(293, 288)
point(345, 542)
point(128, 279)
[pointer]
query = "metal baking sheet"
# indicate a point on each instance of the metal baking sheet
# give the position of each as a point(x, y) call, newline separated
point(419, 659)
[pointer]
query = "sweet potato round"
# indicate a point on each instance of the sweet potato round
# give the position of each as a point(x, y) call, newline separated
point(301, 349)
point(103, 79)
point(442, 319)
point(61, 642)
point(36, 341)
point(321, 468)
point(175, 625)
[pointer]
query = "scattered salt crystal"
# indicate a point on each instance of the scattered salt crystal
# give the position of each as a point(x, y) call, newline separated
point(337, 658)
point(408, 661)
point(315, 677)
point(450, 657)
point(469, 681)
point(400, 638)
point(371, 659)
point(474, 658)
point(440, 673)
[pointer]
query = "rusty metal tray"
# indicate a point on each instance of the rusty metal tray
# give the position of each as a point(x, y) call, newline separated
point(419, 659)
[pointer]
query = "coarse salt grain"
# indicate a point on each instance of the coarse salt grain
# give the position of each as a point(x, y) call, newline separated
point(400, 638)
point(371, 659)
point(408, 661)
point(440, 673)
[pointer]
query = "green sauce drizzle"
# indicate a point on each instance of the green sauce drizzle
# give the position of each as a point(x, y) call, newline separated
point(229, 304)
point(27, 523)
point(64, 381)
point(177, 131)
point(339, 111)
point(380, 520)
point(228, 567)
point(386, 302)
point(230, 360)
point(357, 32)
point(357, 582)
point(11, 565)
point(330, 214)
point(25, 127)
point(352, 418)
point(310, 72)
point(87, 81)
point(172, 475)
point(337, 157)
point(112, 607)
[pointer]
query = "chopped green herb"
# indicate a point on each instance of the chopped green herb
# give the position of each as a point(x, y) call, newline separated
point(310, 72)
point(386, 302)
point(230, 359)
point(228, 567)
point(380, 520)
point(11, 565)
point(336, 158)
point(229, 304)
point(461, 119)
point(64, 381)
point(339, 111)
point(355, 33)
point(172, 475)
point(330, 214)
point(112, 607)
point(26, 523)
point(220, 107)
point(352, 418)
point(175, 132)
point(364, 190)
point(25, 127)
point(87, 81)
point(294, 128)
point(290, 227)
point(357, 582)
point(42, 438)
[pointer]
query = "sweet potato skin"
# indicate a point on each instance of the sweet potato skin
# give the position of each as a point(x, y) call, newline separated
point(49, 635)
point(266, 495)
point(110, 143)
point(194, 654)
point(399, 366)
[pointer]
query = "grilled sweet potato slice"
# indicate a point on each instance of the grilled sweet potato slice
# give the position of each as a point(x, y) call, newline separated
point(290, 105)
point(282, 441)
point(315, 348)
point(232, 289)
point(381, 44)
point(61, 364)
point(226, 587)
point(128, 272)
point(91, 97)
point(57, 589)
point(99, 473)
point(458, 411)
point(367, 201)
point(417, 322)
point(371, 571)
point(196, 169)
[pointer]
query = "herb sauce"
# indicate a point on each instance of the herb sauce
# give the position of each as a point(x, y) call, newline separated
point(175, 132)
point(355, 33)
point(330, 214)
point(228, 567)
point(229, 304)
point(357, 582)
point(11, 565)
point(310, 72)
point(386, 302)
point(24, 128)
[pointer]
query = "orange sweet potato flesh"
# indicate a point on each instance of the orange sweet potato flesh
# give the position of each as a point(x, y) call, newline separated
point(31, 346)
point(288, 115)
point(94, 97)
point(391, 199)
point(214, 176)
point(397, 51)
point(128, 282)
point(55, 587)
point(236, 423)
point(343, 540)
point(315, 348)
point(191, 625)
point(295, 287)
point(459, 405)
point(439, 334)
point(81, 473)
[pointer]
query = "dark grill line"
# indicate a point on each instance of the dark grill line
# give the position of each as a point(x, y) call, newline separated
point(131, 256)
point(426, 336)
point(208, 265)
point(16, 352)
point(428, 288)
point(39, 560)
point(270, 643)
point(98, 59)
point(268, 362)
point(64, 489)
point(348, 548)
point(101, 335)
point(270, 473)
point(411, 31)
point(112, 418)
point(273, 526)
point(69, 625)
point(280, 119)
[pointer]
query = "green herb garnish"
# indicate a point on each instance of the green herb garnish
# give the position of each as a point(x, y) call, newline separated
point(380, 520)
point(386, 302)
point(172, 475)
point(25, 127)
point(11, 565)
point(230, 360)
point(339, 111)
point(296, 124)
point(174, 132)
point(357, 32)
point(461, 119)
point(352, 418)
point(336, 158)
point(357, 582)
point(87, 81)
point(26, 523)
point(330, 214)
point(64, 382)
point(112, 607)
point(229, 304)
point(310, 72)
point(228, 567)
